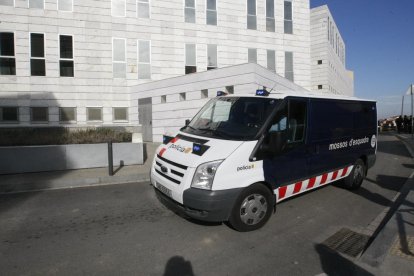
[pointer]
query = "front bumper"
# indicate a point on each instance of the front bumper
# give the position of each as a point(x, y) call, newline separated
point(212, 206)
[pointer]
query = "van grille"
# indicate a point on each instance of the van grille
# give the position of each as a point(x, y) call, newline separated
point(175, 172)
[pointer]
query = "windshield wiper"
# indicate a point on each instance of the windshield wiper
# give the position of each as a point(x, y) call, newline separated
point(218, 133)
point(188, 126)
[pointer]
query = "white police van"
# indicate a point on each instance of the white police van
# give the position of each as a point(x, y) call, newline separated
point(242, 154)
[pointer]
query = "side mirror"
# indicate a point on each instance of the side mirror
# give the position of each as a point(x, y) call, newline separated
point(187, 122)
point(276, 142)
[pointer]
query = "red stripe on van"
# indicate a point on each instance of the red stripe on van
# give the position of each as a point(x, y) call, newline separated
point(282, 192)
point(335, 175)
point(311, 183)
point(324, 178)
point(344, 171)
point(297, 187)
point(175, 139)
point(162, 151)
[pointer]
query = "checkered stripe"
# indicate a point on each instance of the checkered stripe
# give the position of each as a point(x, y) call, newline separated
point(311, 183)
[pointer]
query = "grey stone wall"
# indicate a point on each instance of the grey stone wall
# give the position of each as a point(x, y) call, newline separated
point(67, 157)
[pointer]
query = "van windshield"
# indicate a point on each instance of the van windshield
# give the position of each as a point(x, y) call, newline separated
point(232, 118)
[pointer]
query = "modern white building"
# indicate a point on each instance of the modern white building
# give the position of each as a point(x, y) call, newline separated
point(328, 55)
point(80, 63)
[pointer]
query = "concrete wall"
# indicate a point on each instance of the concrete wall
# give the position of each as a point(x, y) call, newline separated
point(169, 116)
point(332, 73)
point(66, 157)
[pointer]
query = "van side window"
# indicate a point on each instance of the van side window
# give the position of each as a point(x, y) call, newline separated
point(296, 121)
point(279, 122)
point(291, 120)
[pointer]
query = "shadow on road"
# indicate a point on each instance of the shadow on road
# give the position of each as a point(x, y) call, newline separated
point(394, 147)
point(177, 265)
point(334, 264)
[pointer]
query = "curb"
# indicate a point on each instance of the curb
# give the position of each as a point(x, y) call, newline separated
point(382, 233)
point(12, 188)
point(383, 237)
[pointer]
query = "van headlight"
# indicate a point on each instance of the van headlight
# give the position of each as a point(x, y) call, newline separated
point(204, 175)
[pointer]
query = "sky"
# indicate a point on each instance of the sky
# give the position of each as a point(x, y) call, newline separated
point(379, 39)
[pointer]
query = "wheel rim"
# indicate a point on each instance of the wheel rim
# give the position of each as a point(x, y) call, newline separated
point(253, 209)
point(359, 174)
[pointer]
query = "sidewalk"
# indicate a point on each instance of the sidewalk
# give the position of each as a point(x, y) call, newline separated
point(392, 251)
point(78, 178)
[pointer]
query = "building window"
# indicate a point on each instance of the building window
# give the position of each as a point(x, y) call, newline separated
point(94, 113)
point(271, 60)
point(320, 86)
point(144, 59)
point(329, 33)
point(118, 58)
point(143, 8)
point(252, 55)
point(251, 15)
point(120, 114)
point(163, 98)
point(289, 66)
point(65, 5)
point(7, 3)
point(230, 89)
point(9, 114)
point(66, 64)
point(270, 15)
point(182, 96)
point(7, 58)
point(37, 55)
point(319, 61)
point(39, 114)
point(118, 8)
point(190, 59)
point(189, 11)
point(36, 4)
point(211, 56)
point(211, 12)
point(67, 114)
point(288, 17)
point(204, 93)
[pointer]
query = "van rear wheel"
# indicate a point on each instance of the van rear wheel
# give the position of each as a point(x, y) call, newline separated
point(357, 175)
point(252, 209)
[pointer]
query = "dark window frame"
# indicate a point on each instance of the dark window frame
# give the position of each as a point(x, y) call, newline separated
point(7, 56)
point(39, 121)
point(61, 119)
point(67, 61)
point(3, 121)
point(37, 59)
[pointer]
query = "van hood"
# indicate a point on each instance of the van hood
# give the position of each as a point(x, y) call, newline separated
point(191, 150)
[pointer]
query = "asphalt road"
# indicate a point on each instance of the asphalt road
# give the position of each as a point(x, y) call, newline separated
point(124, 230)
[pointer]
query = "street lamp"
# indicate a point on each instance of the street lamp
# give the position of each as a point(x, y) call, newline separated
point(410, 92)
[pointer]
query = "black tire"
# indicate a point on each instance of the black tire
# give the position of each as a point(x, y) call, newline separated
point(252, 208)
point(354, 180)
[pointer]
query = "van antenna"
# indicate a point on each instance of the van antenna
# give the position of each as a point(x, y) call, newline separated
point(273, 88)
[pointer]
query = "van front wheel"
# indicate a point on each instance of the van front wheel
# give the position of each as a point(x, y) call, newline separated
point(357, 175)
point(252, 209)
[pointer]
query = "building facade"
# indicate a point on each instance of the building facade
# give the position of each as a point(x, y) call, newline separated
point(78, 63)
point(328, 55)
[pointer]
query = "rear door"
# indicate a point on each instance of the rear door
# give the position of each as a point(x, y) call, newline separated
point(330, 131)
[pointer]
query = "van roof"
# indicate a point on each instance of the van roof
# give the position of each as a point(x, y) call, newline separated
point(304, 93)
